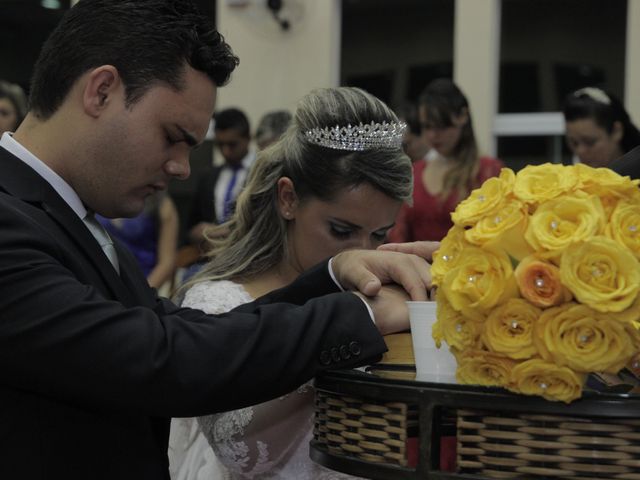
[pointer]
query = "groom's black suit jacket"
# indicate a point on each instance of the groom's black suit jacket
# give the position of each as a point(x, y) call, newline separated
point(93, 364)
point(628, 164)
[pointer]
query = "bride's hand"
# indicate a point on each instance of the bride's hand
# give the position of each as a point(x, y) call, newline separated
point(423, 249)
point(367, 270)
point(389, 308)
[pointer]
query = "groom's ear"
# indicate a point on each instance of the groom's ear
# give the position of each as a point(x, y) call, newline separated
point(287, 198)
point(100, 89)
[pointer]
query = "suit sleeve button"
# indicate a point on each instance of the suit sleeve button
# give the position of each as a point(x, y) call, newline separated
point(335, 355)
point(344, 352)
point(325, 357)
point(354, 347)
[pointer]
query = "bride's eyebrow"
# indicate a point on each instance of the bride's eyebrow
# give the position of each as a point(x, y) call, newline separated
point(358, 227)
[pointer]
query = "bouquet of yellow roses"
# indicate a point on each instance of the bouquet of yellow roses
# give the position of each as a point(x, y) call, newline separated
point(539, 280)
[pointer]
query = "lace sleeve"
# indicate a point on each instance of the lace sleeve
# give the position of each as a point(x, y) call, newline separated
point(259, 439)
point(216, 297)
point(190, 457)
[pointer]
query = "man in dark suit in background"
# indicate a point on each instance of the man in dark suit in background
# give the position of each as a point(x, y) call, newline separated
point(218, 189)
point(93, 363)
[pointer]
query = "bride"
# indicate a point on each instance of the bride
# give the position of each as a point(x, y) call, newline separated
point(314, 193)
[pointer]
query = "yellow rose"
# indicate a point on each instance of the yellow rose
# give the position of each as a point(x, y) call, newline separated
point(454, 328)
point(601, 274)
point(608, 186)
point(633, 329)
point(604, 181)
point(479, 367)
point(509, 329)
point(628, 315)
point(484, 200)
point(539, 282)
point(624, 226)
point(537, 377)
point(539, 183)
point(504, 229)
point(578, 337)
point(446, 257)
point(560, 222)
point(481, 279)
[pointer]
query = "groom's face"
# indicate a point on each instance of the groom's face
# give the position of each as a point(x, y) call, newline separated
point(141, 147)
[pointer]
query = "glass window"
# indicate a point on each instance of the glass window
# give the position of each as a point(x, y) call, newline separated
point(549, 48)
point(393, 48)
point(24, 26)
point(519, 151)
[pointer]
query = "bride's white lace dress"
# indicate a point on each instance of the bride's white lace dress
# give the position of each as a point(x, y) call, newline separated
point(265, 441)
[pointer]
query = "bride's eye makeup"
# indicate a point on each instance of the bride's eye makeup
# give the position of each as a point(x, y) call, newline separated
point(340, 231)
point(380, 235)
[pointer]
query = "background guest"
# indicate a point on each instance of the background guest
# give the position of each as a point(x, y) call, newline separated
point(152, 237)
point(414, 143)
point(452, 168)
point(598, 128)
point(271, 127)
point(217, 189)
point(303, 202)
point(13, 106)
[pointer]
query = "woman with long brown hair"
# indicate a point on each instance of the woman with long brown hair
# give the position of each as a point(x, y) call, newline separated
point(452, 168)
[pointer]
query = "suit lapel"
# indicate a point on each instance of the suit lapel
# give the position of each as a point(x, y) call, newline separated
point(86, 242)
point(21, 181)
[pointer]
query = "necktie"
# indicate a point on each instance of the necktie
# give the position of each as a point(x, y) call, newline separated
point(103, 238)
point(228, 196)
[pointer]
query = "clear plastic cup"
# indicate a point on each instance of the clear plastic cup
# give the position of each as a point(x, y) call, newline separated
point(432, 363)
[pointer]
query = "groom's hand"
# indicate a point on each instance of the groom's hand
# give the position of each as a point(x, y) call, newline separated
point(367, 270)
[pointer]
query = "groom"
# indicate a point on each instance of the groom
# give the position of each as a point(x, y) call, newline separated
point(93, 363)
point(628, 164)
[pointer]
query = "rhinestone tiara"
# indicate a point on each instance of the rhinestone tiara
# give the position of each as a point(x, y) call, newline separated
point(358, 138)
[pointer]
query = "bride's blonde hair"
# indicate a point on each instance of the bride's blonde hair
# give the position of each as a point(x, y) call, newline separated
point(257, 235)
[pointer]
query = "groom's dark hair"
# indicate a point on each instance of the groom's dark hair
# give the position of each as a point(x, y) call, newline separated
point(148, 41)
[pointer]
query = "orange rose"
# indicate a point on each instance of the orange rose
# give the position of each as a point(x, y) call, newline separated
point(539, 282)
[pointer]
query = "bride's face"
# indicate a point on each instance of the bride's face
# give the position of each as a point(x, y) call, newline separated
point(357, 218)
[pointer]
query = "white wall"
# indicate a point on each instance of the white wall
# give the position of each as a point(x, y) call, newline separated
point(278, 67)
point(475, 63)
